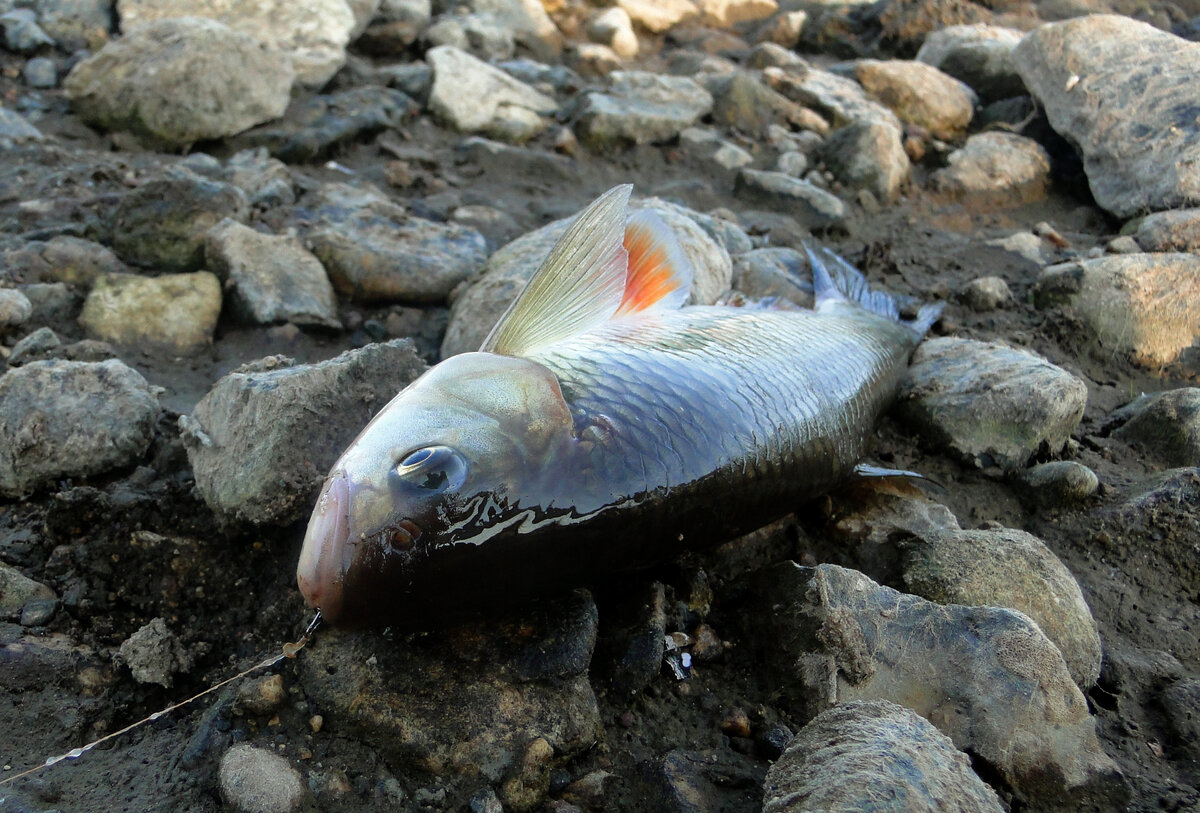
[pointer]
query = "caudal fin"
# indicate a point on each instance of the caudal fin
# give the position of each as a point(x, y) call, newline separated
point(834, 279)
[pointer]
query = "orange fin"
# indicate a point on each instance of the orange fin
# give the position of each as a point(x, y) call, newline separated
point(660, 275)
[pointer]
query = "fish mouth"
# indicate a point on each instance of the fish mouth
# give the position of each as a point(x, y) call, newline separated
point(322, 569)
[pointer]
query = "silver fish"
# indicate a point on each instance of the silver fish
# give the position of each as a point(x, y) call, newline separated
point(601, 427)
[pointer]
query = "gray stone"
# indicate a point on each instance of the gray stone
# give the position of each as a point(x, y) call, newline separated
point(64, 259)
point(988, 404)
point(527, 23)
point(774, 273)
point(254, 780)
point(592, 60)
point(15, 309)
point(984, 294)
point(1123, 92)
point(174, 312)
point(1123, 244)
point(642, 108)
point(266, 181)
point(38, 345)
point(77, 24)
point(1028, 245)
point(22, 34)
point(1176, 230)
point(987, 677)
point(175, 82)
point(480, 35)
point(613, 27)
point(1181, 704)
point(1059, 483)
point(729, 13)
point(979, 55)
point(163, 222)
point(707, 145)
point(857, 755)
point(868, 155)
point(154, 654)
point(39, 611)
point(271, 278)
point(999, 168)
point(842, 101)
point(15, 129)
point(471, 96)
point(17, 590)
point(311, 37)
point(792, 162)
point(1164, 424)
point(1008, 568)
point(812, 206)
point(40, 72)
point(772, 55)
point(742, 102)
point(1144, 306)
point(262, 439)
point(71, 419)
point(52, 301)
point(920, 95)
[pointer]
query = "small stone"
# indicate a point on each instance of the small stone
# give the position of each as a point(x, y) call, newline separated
point(22, 34)
point(15, 129)
point(728, 13)
point(742, 102)
point(15, 309)
point(814, 207)
point(642, 108)
point(1005, 167)
point(792, 163)
point(262, 697)
point(592, 59)
point(173, 312)
point(40, 72)
point(468, 93)
point(38, 345)
point(1059, 483)
point(736, 723)
point(65, 259)
point(868, 155)
point(614, 28)
point(479, 35)
point(979, 55)
point(39, 611)
point(485, 801)
point(920, 95)
point(1125, 244)
point(154, 654)
point(254, 780)
point(18, 590)
point(1028, 245)
point(1177, 230)
point(779, 273)
point(987, 294)
point(1164, 424)
point(532, 780)
point(839, 100)
point(658, 16)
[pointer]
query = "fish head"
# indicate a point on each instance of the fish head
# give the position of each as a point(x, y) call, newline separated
point(476, 426)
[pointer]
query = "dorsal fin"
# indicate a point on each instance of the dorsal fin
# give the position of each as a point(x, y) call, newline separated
point(660, 275)
point(579, 285)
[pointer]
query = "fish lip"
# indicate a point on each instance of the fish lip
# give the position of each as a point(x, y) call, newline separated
point(321, 570)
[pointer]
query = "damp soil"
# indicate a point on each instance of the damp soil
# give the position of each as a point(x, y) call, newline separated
point(139, 544)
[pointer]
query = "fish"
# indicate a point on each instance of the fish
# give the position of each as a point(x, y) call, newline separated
point(604, 426)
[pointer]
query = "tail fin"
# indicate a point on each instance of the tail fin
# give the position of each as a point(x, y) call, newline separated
point(835, 279)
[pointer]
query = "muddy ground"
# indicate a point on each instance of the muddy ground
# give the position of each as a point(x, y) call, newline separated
point(124, 549)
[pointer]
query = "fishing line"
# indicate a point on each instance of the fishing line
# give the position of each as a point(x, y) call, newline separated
point(288, 650)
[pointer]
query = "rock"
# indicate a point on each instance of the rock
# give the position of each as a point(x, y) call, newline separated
point(979, 55)
point(842, 101)
point(728, 13)
point(812, 206)
point(1120, 91)
point(707, 145)
point(266, 181)
point(254, 780)
point(154, 654)
point(694, 781)
point(657, 16)
point(175, 82)
point(1008, 568)
point(22, 34)
point(920, 95)
point(312, 36)
point(1002, 168)
point(592, 59)
point(17, 590)
point(480, 35)
point(1164, 424)
point(15, 309)
point(1028, 245)
point(1177, 230)
point(315, 126)
point(780, 273)
point(262, 697)
point(271, 279)
point(524, 21)
point(784, 29)
point(642, 108)
point(534, 165)
point(614, 28)
point(634, 640)
point(163, 223)
point(988, 404)
point(40, 72)
point(868, 155)
point(855, 755)
point(71, 419)
point(470, 700)
point(1140, 305)
point(173, 312)
point(792, 163)
point(1181, 704)
point(38, 345)
point(52, 301)
point(1158, 524)
point(742, 102)
point(984, 294)
point(39, 611)
point(1059, 483)
point(14, 129)
point(77, 24)
point(65, 259)
point(986, 677)
point(376, 252)
point(262, 439)
point(472, 96)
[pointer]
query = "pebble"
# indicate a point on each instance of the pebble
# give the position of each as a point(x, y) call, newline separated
point(840, 100)
point(40, 72)
point(1164, 424)
point(792, 162)
point(979, 55)
point(920, 95)
point(16, 129)
point(1059, 483)
point(1114, 87)
point(1176, 230)
point(1003, 168)
point(988, 404)
point(1143, 306)
point(657, 16)
point(178, 81)
point(707, 145)
point(263, 696)
point(38, 345)
point(614, 28)
point(154, 654)
point(528, 23)
point(468, 94)
point(1007, 568)
point(262, 439)
point(640, 107)
point(1028, 245)
point(987, 677)
point(270, 279)
point(15, 309)
point(71, 419)
point(18, 590)
point(254, 780)
point(874, 755)
point(984, 294)
point(39, 611)
point(743, 103)
point(868, 155)
point(812, 206)
point(173, 312)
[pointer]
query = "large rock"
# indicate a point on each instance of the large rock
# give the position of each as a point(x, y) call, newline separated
point(1175, 230)
point(856, 754)
point(743, 102)
point(71, 419)
point(1124, 93)
point(990, 404)
point(179, 81)
point(1165, 424)
point(175, 312)
point(642, 108)
point(980, 56)
point(313, 35)
point(264, 436)
point(472, 96)
point(987, 677)
point(1145, 306)
point(919, 94)
point(995, 167)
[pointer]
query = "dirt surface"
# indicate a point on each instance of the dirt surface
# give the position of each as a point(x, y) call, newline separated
point(123, 549)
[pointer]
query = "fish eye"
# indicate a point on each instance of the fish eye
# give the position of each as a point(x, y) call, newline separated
point(433, 468)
